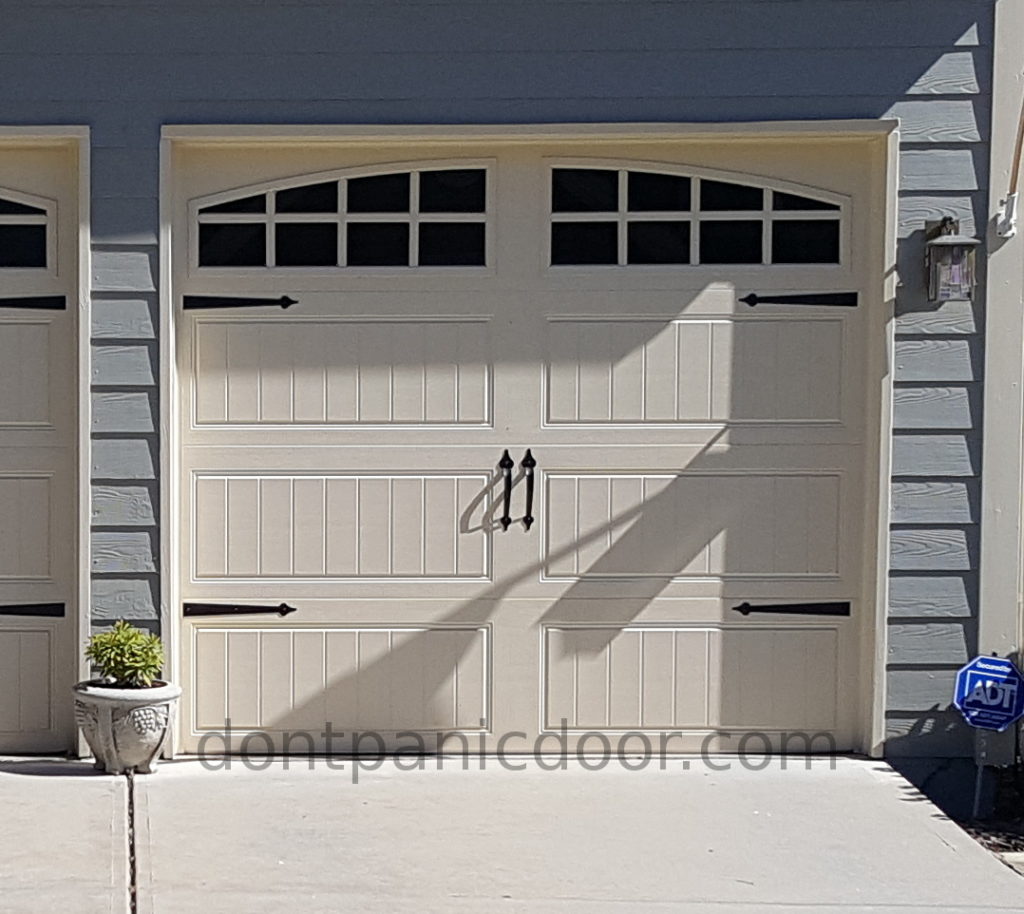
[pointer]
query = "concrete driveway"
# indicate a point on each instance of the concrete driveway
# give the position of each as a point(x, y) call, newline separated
point(845, 836)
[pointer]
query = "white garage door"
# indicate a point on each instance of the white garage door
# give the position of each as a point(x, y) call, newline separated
point(38, 506)
point(694, 565)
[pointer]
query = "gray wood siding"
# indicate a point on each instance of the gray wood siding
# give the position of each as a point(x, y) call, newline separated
point(125, 67)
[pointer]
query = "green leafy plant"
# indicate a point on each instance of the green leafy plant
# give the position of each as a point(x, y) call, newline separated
point(129, 656)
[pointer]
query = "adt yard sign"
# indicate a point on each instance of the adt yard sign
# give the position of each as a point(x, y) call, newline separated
point(990, 693)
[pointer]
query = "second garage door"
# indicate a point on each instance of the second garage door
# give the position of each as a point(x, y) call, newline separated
point(524, 455)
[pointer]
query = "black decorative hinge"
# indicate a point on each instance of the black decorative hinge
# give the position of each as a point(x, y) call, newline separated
point(36, 302)
point(192, 302)
point(797, 609)
point(33, 609)
point(234, 609)
point(827, 299)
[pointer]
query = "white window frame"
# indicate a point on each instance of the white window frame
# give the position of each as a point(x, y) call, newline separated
point(341, 218)
point(767, 216)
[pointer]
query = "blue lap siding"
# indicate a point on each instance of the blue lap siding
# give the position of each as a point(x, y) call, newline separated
point(126, 67)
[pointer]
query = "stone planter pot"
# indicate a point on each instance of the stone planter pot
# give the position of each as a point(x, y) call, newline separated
point(125, 728)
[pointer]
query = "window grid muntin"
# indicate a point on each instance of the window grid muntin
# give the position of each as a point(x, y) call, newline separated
point(45, 217)
point(270, 218)
point(767, 215)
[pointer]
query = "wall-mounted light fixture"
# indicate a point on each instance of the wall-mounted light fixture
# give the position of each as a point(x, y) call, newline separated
point(949, 258)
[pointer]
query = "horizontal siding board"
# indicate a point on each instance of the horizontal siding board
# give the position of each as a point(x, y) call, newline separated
point(127, 172)
point(124, 220)
point(920, 690)
point(122, 506)
point(935, 455)
point(941, 169)
point(124, 598)
point(937, 360)
point(951, 317)
point(917, 210)
point(122, 552)
point(116, 411)
point(936, 407)
point(932, 549)
point(938, 596)
point(942, 502)
point(928, 734)
point(454, 26)
point(752, 72)
point(940, 121)
point(124, 365)
point(127, 319)
point(951, 74)
point(123, 271)
point(930, 643)
point(123, 459)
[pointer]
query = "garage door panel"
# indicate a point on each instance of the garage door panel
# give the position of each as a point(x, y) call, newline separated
point(768, 371)
point(25, 359)
point(26, 664)
point(373, 525)
point(355, 678)
point(643, 678)
point(26, 540)
point(777, 679)
point(626, 678)
point(683, 525)
point(342, 372)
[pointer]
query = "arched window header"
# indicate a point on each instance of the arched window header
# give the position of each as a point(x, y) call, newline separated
point(24, 231)
point(416, 217)
point(625, 217)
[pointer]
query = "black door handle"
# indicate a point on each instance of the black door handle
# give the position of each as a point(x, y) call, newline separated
point(506, 463)
point(528, 463)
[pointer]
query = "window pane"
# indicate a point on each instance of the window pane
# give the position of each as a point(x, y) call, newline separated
point(378, 244)
point(584, 243)
point(10, 208)
point(730, 242)
point(792, 201)
point(22, 245)
point(452, 244)
point(257, 204)
point(659, 242)
point(306, 245)
point(650, 192)
point(805, 241)
point(718, 195)
point(456, 191)
point(584, 190)
point(313, 198)
point(379, 194)
point(228, 245)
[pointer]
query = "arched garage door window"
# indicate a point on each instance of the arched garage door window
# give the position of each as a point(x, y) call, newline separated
point(626, 217)
point(413, 217)
point(25, 231)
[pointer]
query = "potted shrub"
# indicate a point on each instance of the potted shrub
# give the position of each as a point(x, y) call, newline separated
point(126, 712)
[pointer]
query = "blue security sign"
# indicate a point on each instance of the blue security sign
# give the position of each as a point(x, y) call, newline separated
point(990, 693)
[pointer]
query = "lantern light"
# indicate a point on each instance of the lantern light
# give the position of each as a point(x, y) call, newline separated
point(949, 259)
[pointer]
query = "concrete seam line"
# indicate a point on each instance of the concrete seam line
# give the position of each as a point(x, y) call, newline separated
point(133, 881)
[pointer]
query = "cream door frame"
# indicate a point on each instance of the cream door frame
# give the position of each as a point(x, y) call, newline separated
point(77, 137)
point(882, 135)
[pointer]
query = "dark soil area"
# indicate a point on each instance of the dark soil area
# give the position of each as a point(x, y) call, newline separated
point(1003, 831)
